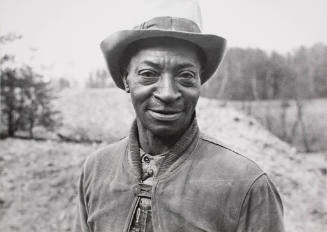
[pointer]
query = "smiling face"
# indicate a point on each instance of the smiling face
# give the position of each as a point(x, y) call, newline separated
point(164, 83)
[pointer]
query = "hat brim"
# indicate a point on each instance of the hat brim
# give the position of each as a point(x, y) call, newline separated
point(114, 46)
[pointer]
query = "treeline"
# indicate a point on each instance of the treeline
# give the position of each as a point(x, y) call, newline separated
point(254, 74)
point(99, 79)
point(26, 97)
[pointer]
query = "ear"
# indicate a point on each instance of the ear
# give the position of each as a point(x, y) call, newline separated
point(124, 77)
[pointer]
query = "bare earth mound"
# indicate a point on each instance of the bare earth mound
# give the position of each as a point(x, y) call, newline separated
point(38, 179)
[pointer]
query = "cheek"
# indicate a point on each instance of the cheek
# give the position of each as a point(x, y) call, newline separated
point(191, 97)
point(140, 96)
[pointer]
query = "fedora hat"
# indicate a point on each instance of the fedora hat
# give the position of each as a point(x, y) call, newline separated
point(183, 28)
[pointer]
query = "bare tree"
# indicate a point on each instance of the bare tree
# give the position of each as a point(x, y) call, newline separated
point(299, 123)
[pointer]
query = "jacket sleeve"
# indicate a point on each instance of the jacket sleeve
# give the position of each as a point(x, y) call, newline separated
point(81, 224)
point(262, 209)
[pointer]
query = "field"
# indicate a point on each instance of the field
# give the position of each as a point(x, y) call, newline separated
point(270, 114)
point(38, 179)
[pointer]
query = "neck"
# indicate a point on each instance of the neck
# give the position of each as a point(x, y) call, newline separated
point(153, 144)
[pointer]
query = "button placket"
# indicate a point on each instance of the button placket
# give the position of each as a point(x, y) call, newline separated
point(144, 217)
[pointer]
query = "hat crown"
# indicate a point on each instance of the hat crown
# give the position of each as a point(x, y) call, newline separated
point(170, 23)
point(183, 9)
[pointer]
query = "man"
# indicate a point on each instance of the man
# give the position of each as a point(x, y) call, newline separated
point(166, 175)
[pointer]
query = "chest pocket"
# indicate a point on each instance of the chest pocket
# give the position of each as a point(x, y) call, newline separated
point(208, 205)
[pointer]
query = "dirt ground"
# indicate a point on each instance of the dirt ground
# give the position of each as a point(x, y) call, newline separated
point(38, 179)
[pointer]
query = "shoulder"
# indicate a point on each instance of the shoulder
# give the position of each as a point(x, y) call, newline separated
point(227, 161)
point(106, 156)
point(262, 202)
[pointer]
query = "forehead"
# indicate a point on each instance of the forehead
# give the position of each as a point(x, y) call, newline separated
point(173, 55)
point(162, 50)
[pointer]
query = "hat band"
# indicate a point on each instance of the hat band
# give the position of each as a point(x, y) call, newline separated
point(170, 24)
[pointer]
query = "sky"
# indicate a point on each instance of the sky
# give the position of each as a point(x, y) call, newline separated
point(63, 36)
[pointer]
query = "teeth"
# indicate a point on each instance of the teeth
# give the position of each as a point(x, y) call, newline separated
point(165, 112)
point(165, 116)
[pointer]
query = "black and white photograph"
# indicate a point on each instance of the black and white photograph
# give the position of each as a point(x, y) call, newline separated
point(163, 116)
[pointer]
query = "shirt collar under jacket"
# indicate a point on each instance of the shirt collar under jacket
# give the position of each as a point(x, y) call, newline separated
point(187, 139)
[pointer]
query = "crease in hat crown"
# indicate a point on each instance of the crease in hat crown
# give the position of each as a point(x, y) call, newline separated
point(169, 23)
point(168, 26)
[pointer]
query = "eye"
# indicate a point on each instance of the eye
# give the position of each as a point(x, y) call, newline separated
point(147, 73)
point(186, 74)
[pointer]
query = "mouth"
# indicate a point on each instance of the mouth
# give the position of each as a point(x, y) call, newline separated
point(165, 115)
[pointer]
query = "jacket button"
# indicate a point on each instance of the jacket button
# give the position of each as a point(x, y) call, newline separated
point(146, 159)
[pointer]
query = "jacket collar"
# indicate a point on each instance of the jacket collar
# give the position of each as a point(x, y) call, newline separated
point(187, 140)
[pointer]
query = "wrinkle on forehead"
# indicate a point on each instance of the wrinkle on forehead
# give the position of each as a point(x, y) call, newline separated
point(161, 58)
point(161, 44)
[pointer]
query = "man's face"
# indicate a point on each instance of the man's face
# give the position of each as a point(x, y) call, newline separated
point(164, 83)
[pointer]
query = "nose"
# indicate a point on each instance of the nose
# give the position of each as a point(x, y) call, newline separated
point(167, 90)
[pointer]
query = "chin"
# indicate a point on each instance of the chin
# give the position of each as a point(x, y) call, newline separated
point(164, 131)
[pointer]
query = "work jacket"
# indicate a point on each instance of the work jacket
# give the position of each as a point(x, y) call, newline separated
point(208, 188)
